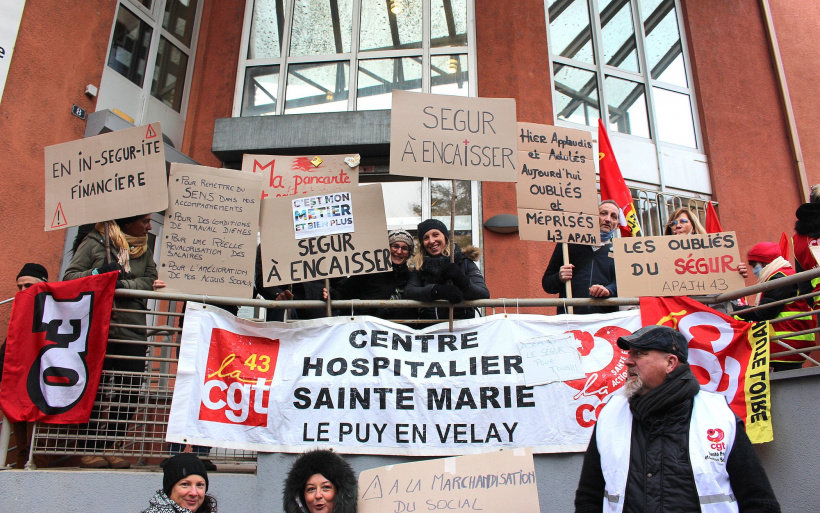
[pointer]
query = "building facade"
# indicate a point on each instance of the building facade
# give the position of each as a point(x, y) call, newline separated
point(693, 93)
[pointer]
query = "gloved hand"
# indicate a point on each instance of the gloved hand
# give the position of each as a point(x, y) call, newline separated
point(453, 272)
point(120, 284)
point(450, 293)
point(107, 268)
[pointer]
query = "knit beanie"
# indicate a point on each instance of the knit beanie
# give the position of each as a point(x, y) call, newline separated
point(35, 271)
point(764, 252)
point(179, 467)
point(401, 236)
point(432, 224)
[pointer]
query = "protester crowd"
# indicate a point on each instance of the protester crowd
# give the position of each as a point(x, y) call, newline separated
point(663, 402)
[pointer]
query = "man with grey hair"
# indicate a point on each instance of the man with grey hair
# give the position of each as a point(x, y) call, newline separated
point(666, 445)
point(591, 269)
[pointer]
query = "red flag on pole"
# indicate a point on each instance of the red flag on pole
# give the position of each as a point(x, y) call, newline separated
point(712, 221)
point(785, 246)
point(55, 349)
point(613, 186)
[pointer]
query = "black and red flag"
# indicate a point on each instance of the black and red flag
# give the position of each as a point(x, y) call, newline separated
point(55, 350)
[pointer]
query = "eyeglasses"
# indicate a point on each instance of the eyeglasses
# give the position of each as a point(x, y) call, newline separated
point(675, 223)
point(400, 247)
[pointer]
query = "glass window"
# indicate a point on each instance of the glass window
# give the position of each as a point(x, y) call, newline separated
point(448, 75)
point(321, 28)
point(402, 204)
point(674, 113)
point(570, 33)
point(268, 23)
point(576, 95)
point(318, 87)
point(261, 88)
point(618, 34)
point(179, 19)
point(390, 27)
point(129, 46)
point(626, 104)
point(664, 56)
point(169, 74)
point(441, 200)
point(378, 78)
point(448, 23)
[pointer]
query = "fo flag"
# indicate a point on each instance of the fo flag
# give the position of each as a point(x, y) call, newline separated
point(728, 356)
point(55, 349)
point(613, 186)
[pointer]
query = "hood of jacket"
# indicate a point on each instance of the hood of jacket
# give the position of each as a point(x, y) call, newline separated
point(808, 220)
point(334, 468)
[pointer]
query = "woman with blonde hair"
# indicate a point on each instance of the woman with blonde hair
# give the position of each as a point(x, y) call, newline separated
point(684, 222)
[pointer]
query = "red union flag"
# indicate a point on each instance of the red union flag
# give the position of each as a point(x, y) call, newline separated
point(238, 377)
point(55, 350)
point(727, 356)
point(613, 186)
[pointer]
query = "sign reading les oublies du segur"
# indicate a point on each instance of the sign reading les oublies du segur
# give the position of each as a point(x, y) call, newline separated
point(209, 241)
point(677, 266)
point(109, 176)
point(453, 137)
point(492, 481)
point(556, 193)
point(286, 175)
point(286, 259)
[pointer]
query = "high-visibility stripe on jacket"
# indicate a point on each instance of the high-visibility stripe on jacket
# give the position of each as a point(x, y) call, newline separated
point(792, 326)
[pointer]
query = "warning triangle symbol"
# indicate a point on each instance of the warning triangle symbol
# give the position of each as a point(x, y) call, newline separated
point(150, 134)
point(59, 217)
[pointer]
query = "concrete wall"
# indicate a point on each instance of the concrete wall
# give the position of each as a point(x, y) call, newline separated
point(792, 462)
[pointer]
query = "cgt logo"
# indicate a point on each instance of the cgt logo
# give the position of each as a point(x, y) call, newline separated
point(715, 436)
point(238, 378)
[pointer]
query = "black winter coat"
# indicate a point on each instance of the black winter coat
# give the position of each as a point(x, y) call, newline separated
point(421, 283)
point(591, 268)
point(389, 285)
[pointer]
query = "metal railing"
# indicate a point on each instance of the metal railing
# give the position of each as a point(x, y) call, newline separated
point(131, 410)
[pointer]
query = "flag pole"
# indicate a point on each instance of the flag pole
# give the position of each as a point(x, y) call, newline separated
point(452, 237)
point(568, 283)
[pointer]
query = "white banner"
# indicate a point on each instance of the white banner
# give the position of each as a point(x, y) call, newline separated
point(368, 386)
point(11, 12)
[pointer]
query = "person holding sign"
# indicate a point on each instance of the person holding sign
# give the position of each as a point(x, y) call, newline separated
point(768, 264)
point(389, 285)
point(128, 254)
point(320, 481)
point(666, 445)
point(590, 268)
point(684, 222)
point(430, 281)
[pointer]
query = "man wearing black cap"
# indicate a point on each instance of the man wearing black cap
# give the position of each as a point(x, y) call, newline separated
point(30, 274)
point(665, 445)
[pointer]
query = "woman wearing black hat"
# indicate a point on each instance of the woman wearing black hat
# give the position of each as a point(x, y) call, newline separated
point(433, 272)
point(320, 481)
point(184, 483)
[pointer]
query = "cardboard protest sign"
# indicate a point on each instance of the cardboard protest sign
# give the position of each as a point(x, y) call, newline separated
point(288, 259)
point(492, 481)
point(677, 266)
point(549, 359)
point(286, 175)
point(109, 176)
point(556, 188)
point(209, 241)
point(453, 137)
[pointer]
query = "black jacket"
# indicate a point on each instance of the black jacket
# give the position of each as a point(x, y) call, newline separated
point(591, 268)
point(421, 283)
point(660, 477)
point(388, 285)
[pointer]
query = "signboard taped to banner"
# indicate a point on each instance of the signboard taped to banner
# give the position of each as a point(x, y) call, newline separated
point(491, 481)
point(286, 175)
point(110, 176)
point(209, 239)
point(677, 265)
point(286, 259)
point(453, 137)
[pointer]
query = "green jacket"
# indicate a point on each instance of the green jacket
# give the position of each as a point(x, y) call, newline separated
point(90, 255)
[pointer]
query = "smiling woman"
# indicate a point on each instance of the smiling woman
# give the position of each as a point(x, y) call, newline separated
point(184, 483)
point(320, 481)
